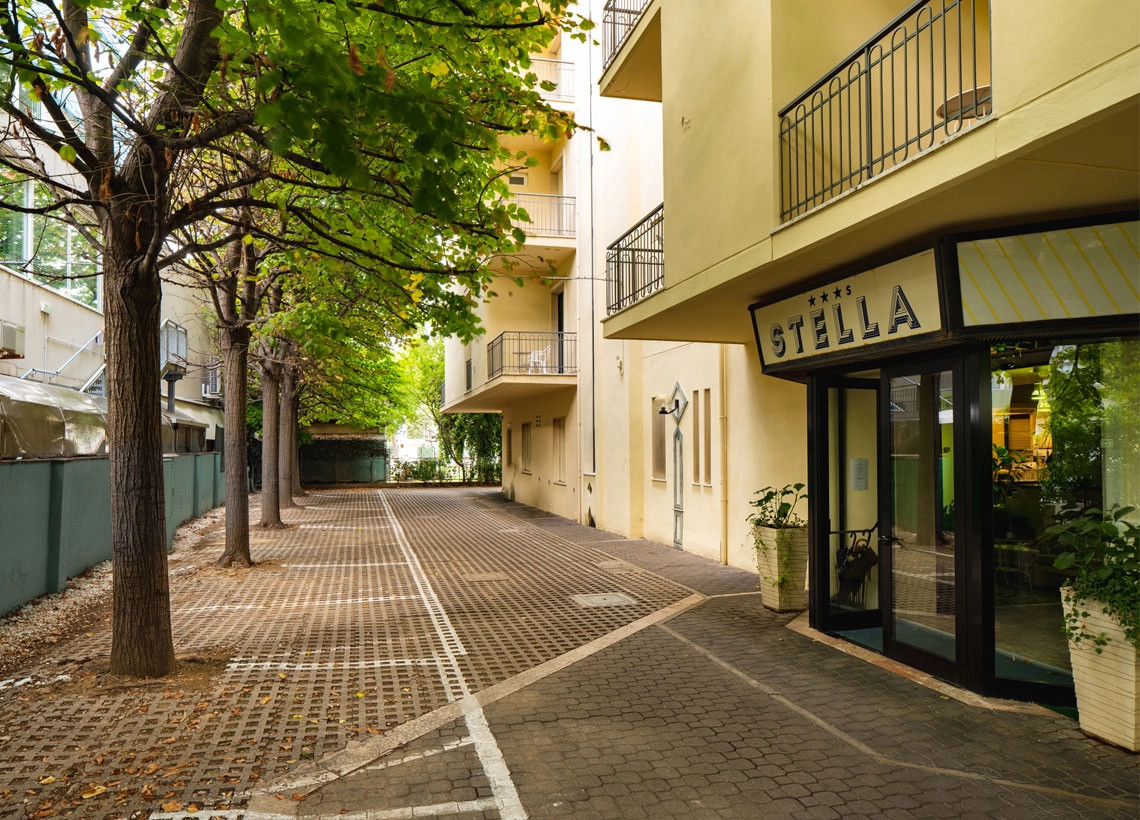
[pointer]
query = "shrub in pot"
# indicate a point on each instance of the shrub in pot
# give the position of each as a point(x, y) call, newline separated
point(780, 538)
point(1102, 618)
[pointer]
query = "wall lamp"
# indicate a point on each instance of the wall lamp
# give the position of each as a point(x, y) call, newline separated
point(664, 411)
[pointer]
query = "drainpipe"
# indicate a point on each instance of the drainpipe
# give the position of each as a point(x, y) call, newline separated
point(723, 456)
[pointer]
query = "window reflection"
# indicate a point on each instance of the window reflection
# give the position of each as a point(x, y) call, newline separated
point(1066, 433)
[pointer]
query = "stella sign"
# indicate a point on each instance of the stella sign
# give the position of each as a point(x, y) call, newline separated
point(891, 302)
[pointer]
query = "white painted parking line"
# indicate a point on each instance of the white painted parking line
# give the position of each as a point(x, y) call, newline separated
point(282, 666)
point(447, 747)
point(346, 565)
point(506, 796)
point(378, 599)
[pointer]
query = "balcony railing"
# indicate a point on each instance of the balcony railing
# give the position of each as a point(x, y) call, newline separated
point(558, 72)
point(550, 215)
point(534, 353)
point(922, 78)
point(619, 17)
point(635, 262)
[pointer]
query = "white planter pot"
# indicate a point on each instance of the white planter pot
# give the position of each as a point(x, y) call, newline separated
point(1108, 697)
point(782, 559)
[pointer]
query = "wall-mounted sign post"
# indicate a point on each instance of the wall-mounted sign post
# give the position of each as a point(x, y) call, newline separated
point(679, 403)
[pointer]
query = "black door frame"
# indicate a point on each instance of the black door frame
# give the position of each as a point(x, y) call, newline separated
point(952, 670)
point(974, 663)
point(819, 502)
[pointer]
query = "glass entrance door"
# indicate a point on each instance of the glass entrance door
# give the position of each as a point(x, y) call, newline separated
point(917, 516)
point(852, 549)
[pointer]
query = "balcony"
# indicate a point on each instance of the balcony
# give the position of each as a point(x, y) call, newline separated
point(631, 45)
point(515, 352)
point(557, 72)
point(549, 214)
point(920, 80)
point(635, 262)
point(520, 365)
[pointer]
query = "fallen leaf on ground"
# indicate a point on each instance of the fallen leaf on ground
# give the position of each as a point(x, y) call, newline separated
point(265, 699)
point(173, 805)
point(94, 791)
point(46, 781)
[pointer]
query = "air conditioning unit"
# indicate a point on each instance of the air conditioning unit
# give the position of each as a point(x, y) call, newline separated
point(11, 341)
point(212, 382)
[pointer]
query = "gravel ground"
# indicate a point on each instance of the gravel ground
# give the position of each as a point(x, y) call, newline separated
point(34, 627)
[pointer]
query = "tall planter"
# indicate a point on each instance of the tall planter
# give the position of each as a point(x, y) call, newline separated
point(782, 559)
point(1108, 696)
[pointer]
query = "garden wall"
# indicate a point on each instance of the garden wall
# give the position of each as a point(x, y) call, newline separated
point(55, 516)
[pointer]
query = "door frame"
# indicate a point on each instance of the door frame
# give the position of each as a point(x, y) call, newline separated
point(819, 503)
point(974, 665)
point(949, 669)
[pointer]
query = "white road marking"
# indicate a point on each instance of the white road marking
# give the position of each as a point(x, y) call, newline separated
point(282, 666)
point(379, 599)
point(506, 796)
point(347, 565)
point(447, 747)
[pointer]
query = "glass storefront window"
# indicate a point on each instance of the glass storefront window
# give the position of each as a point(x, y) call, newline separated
point(1066, 436)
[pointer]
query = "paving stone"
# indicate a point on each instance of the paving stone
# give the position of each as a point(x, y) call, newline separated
point(649, 726)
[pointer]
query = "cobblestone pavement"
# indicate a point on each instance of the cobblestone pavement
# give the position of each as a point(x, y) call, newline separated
point(407, 653)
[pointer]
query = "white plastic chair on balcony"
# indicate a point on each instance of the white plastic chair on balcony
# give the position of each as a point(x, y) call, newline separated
point(537, 361)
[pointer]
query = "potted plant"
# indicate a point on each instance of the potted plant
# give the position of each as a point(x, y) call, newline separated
point(1102, 618)
point(780, 537)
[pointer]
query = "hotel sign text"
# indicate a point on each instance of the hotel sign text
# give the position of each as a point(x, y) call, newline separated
point(879, 305)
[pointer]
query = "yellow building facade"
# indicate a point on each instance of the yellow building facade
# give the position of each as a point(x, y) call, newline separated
point(865, 246)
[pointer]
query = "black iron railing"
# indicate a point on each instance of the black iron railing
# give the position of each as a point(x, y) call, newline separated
point(535, 353)
point(558, 72)
point(635, 262)
point(619, 17)
point(920, 79)
point(550, 215)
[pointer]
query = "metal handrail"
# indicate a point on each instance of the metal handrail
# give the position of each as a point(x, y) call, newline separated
point(96, 339)
point(559, 72)
point(635, 262)
point(619, 19)
point(874, 38)
point(534, 353)
point(918, 80)
point(548, 214)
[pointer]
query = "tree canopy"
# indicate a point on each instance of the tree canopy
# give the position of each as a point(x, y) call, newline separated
point(364, 134)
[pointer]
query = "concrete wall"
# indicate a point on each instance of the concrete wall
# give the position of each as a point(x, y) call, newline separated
point(57, 517)
point(49, 339)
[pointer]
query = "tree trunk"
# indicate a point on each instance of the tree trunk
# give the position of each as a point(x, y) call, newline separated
point(286, 452)
point(270, 422)
point(295, 448)
point(235, 358)
point(142, 643)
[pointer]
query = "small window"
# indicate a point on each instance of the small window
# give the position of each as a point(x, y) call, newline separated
point(560, 450)
point(657, 427)
point(518, 180)
point(708, 436)
point(510, 447)
point(526, 447)
point(697, 437)
point(468, 375)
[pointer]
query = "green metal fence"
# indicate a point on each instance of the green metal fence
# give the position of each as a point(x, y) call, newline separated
point(55, 516)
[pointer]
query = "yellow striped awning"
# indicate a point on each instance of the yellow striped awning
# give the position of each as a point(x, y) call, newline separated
point(1069, 273)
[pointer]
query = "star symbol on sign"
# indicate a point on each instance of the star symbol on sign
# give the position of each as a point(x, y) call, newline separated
point(838, 293)
point(811, 301)
point(823, 296)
